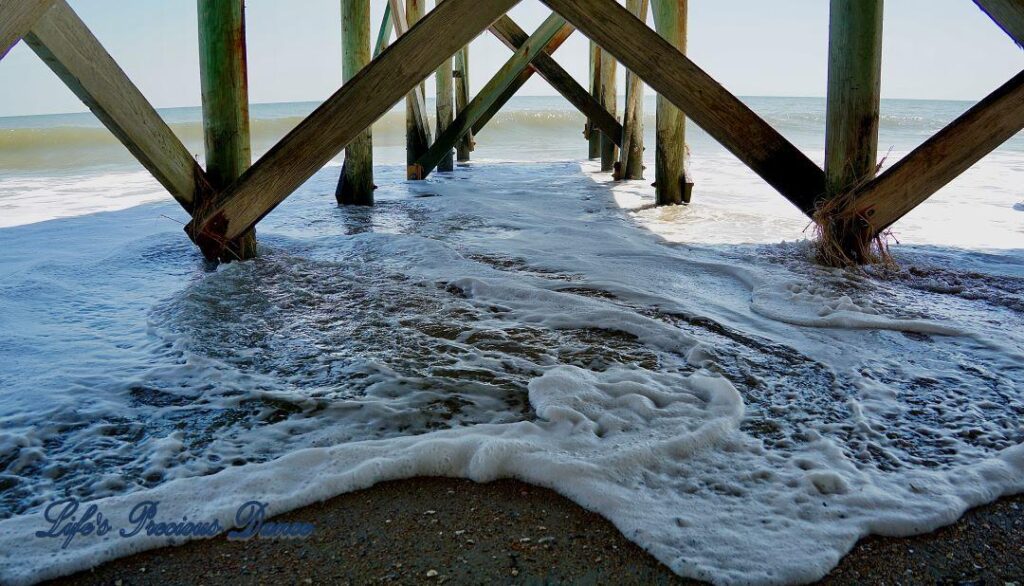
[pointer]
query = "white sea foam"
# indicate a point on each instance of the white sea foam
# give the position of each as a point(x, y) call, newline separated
point(741, 413)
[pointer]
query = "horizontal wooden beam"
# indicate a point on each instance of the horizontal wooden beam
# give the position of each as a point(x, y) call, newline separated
point(350, 110)
point(701, 98)
point(69, 48)
point(548, 37)
point(1008, 14)
point(509, 33)
point(17, 18)
point(943, 157)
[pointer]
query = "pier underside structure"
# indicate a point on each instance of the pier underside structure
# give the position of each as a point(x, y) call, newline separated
point(849, 200)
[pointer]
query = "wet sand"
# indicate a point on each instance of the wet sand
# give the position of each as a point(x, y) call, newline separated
point(457, 531)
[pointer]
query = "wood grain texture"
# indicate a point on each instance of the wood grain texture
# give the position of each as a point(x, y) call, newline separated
point(631, 156)
point(705, 101)
point(952, 150)
point(67, 46)
point(670, 173)
point(225, 97)
point(350, 110)
point(355, 185)
point(17, 18)
point(548, 37)
point(854, 93)
point(445, 108)
point(466, 144)
point(509, 33)
point(1008, 14)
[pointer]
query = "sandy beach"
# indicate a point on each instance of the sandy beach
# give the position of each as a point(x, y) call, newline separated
point(461, 532)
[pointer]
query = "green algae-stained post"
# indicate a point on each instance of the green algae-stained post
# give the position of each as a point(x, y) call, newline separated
point(350, 110)
point(631, 161)
point(417, 134)
point(225, 90)
point(355, 187)
point(445, 113)
point(594, 137)
point(608, 96)
point(465, 145)
point(854, 93)
point(671, 184)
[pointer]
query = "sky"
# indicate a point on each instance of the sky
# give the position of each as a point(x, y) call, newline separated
point(933, 49)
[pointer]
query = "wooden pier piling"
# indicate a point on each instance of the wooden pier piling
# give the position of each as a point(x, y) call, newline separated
point(671, 183)
point(224, 81)
point(445, 115)
point(417, 130)
point(854, 93)
point(631, 158)
point(594, 137)
point(851, 126)
point(608, 92)
point(228, 199)
point(466, 144)
point(355, 186)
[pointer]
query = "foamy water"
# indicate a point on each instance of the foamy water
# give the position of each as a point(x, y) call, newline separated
point(739, 412)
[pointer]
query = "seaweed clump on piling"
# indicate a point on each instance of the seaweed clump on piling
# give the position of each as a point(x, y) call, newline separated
point(844, 237)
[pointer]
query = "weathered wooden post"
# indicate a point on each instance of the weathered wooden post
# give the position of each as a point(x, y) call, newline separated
point(355, 187)
point(854, 92)
point(851, 132)
point(593, 136)
point(224, 83)
point(417, 136)
point(444, 79)
point(609, 99)
point(466, 144)
point(672, 186)
point(631, 162)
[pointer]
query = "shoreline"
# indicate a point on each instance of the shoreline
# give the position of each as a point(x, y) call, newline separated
point(452, 530)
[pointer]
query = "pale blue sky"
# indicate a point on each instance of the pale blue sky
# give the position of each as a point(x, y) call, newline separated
point(940, 49)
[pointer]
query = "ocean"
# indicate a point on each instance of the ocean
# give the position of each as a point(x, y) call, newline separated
point(687, 372)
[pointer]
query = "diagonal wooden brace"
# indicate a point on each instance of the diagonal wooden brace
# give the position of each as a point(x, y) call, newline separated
point(513, 36)
point(417, 98)
point(349, 111)
point(929, 167)
point(704, 100)
point(1008, 14)
point(69, 48)
point(548, 37)
point(17, 18)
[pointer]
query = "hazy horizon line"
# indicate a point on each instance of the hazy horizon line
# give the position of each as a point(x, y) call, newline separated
point(87, 111)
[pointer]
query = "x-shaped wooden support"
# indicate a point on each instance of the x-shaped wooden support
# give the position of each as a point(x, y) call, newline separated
point(549, 36)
